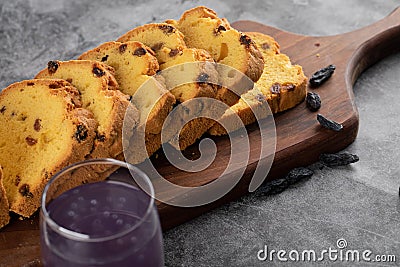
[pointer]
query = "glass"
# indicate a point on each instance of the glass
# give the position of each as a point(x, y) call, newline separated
point(108, 223)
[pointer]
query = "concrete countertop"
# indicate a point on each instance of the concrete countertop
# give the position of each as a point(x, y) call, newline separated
point(358, 203)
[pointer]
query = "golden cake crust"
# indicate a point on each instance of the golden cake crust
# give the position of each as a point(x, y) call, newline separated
point(41, 142)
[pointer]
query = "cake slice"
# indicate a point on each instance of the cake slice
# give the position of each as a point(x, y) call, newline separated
point(203, 29)
point(173, 56)
point(282, 85)
point(43, 128)
point(98, 89)
point(4, 206)
point(134, 65)
point(170, 50)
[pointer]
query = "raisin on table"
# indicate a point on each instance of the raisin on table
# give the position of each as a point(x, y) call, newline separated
point(338, 159)
point(298, 174)
point(275, 187)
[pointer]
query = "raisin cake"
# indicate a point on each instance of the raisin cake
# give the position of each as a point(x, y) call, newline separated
point(44, 128)
point(282, 85)
point(134, 65)
point(170, 50)
point(98, 89)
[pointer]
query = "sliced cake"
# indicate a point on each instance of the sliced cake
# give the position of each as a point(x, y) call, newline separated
point(43, 129)
point(282, 84)
point(173, 56)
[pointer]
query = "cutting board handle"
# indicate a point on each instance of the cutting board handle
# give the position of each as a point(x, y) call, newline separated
point(373, 43)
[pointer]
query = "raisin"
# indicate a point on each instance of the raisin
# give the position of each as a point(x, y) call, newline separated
point(103, 59)
point(329, 124)
point(279, 185)
point(321, 76)
point(275, 187)
point(24, 191)
point(167, 29)
point(81, 133)
point(122, 48)
point(54, 86)
point(140, 52)
point(173, 52)
point(298, 174)
point(289, 87)
point(98, 72)
point(265, 46)
point(157, 46)
point(3, 109)
point(203, 78)
point(313, 101)
point(37, 126)
point(100, 137)
point(17, 180)
point(52, 66)
point(221, 28)
point(338, 159)
point(30, 141)
point(245, 40)
point(275, 88)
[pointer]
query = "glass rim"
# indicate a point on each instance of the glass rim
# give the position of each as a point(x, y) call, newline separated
point(70, 234)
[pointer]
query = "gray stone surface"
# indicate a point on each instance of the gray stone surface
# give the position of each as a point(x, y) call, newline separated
point(359, 203)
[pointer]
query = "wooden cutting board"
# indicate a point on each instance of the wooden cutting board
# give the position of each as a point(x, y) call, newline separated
point(300, 139)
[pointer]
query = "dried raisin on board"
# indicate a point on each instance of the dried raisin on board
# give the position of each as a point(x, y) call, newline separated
point(338, 159)
point(321, 76)
point(329, 124)
point(313, 101)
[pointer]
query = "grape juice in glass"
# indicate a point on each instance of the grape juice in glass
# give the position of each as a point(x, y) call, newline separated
point(108, 223)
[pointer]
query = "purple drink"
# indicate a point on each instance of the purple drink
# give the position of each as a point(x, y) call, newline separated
point(102, 224)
